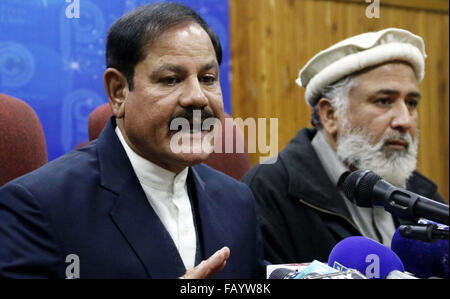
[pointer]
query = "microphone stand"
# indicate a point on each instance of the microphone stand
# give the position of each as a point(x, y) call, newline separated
point(425, 232)
point(406, 204)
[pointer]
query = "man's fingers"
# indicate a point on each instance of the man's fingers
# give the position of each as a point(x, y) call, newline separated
point(217, 261)
point(213, 265)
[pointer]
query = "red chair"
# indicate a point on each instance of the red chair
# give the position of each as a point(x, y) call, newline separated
point(233, 164)
point(98, 119)
point(96, 122)
point(22, 140)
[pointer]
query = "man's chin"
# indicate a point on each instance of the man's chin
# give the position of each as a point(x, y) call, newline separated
point(394, 162)
point(191, 159)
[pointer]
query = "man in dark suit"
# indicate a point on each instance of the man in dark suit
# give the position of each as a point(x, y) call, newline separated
point(131, 204)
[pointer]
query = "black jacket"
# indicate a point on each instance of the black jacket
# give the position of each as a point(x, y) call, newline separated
point(301, 213)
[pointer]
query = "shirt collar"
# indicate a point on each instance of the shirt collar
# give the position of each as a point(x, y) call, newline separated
point(330, 161)
point(152, 175)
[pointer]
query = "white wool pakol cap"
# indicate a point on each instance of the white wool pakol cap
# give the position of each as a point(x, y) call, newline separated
point(357, 53)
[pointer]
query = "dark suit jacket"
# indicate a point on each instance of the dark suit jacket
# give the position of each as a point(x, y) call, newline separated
point(90, 203)
point(301, 213)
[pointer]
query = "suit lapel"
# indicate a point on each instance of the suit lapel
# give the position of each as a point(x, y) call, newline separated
point(212, 230)
point(146, 234)
point(132, 213)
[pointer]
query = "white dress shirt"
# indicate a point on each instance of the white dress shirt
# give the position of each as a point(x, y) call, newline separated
point(167, 194)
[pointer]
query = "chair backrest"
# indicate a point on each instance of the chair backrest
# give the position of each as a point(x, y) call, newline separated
point(233, 164)
point(22, 140)
point(98, 119)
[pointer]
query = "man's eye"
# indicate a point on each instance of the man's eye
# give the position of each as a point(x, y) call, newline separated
point(383, 101)
point(170, 81)
point(207, 79)
point(412, 103)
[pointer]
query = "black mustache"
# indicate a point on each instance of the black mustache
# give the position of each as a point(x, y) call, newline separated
point(189, 115)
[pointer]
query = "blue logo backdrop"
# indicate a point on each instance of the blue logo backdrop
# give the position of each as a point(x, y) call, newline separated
point(55, 63)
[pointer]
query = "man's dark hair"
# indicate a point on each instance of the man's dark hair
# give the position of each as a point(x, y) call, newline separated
point(132, 33)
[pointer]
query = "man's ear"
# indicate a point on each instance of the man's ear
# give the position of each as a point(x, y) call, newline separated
point(116, 87)
point(328, 117)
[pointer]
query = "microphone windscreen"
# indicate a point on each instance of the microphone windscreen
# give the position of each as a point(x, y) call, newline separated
point(423, 259)
point(358, 187)
point(371, 258)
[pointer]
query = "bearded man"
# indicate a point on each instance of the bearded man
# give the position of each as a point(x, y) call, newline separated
point(364, 92)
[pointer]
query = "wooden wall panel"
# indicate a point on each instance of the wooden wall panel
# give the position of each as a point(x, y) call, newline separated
point(272, 39)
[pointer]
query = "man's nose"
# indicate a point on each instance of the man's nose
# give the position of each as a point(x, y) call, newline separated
point(193, 95)
point(402, 118)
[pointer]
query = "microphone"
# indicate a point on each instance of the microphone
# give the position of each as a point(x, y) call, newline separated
point(283, 273)
point(425, 230)
point(315, 270)
point(366, 189)
point(423, 259)
point(311, 269)
point(370, 258)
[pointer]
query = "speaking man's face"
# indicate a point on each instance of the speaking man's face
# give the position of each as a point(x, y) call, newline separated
point(379, 129)
point(179, 74)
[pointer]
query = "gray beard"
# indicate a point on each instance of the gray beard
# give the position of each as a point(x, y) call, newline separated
point(357, 149)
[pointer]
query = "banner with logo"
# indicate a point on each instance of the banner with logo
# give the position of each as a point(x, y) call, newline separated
point(52, 56)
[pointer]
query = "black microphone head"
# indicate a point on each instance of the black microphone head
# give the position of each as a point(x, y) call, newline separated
point(358, 187)
point(282, 273)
